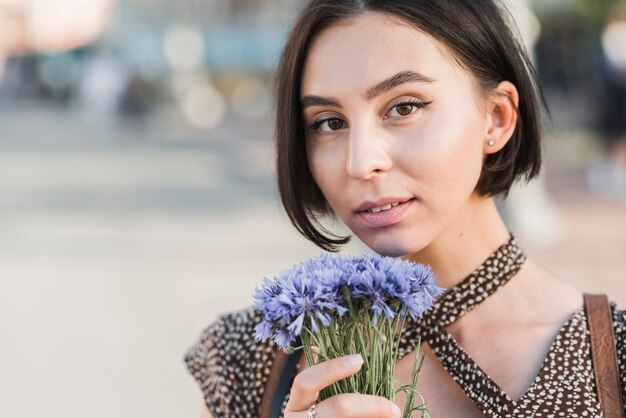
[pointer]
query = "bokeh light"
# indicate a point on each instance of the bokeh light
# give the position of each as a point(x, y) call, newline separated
point(184, 48)
point(614, 43)
point(203, 106)
point(49, 26)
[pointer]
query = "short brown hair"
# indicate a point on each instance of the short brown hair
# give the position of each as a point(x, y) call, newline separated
point(480, 39)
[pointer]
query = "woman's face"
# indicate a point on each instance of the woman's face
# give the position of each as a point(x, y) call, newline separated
point(391, 117)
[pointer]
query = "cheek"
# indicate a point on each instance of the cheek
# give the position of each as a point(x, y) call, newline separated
point(448, 154)
point(325, 168)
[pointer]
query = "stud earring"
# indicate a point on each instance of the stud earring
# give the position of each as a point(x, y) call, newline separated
point(491, 142)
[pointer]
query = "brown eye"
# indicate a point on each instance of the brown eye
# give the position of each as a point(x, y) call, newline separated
point(329, 125)
point(335, 124)
point(404, 109)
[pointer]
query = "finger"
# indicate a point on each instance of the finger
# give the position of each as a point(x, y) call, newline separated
point(307, 384)
point(350, 405)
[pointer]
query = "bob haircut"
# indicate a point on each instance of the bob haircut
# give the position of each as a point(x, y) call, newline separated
point(481, 41)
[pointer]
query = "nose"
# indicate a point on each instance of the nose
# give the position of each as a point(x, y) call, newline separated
point(368, 154)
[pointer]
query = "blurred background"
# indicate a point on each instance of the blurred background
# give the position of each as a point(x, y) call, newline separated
point(137, 196)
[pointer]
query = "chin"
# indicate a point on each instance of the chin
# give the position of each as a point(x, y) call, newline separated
point(396, 242)
point(389, 246)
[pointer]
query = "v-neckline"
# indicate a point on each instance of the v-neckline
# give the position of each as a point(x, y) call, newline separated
point(461, 357)
point(494, 272)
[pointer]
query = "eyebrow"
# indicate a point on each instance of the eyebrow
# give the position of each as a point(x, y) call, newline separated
point(395, 81)
point(308, 101)
point(374, 91)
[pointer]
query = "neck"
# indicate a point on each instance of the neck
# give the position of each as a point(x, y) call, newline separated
point(458, 250)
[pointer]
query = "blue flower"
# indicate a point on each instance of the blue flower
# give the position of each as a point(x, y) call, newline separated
point(315, 292)
point(284, 338)
point(263, 330)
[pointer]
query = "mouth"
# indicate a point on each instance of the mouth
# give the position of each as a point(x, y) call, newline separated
point(384, 215)
point(381, 205)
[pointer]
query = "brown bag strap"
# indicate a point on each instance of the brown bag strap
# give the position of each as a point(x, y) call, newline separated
point(278, 384)
point(604, 355)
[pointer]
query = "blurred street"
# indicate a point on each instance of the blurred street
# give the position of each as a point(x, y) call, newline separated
point(118, 245)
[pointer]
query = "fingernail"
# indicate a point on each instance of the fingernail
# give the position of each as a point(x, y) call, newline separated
point(354, 360)
point(395, 410)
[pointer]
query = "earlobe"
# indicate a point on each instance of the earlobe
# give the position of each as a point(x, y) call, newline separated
point(503, 105)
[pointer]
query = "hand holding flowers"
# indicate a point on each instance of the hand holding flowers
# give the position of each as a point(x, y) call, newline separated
point(341, 305)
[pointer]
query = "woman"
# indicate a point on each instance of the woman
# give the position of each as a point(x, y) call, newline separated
point(405, 119)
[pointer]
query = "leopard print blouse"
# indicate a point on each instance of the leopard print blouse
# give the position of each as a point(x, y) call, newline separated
point(232, 368)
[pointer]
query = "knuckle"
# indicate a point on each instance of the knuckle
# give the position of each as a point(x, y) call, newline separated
point(329, 367)
point(301, 384)
point(340, 405)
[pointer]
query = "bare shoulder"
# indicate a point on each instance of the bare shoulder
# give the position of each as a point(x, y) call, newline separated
point(552, 296)
point(534, 297)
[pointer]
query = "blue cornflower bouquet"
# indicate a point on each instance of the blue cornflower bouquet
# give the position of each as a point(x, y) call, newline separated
point(340, 305)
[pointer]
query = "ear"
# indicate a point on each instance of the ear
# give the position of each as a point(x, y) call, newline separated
point(502, 116)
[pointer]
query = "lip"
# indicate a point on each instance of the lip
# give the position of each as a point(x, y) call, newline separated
point(387, 217)
point(368, 204)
